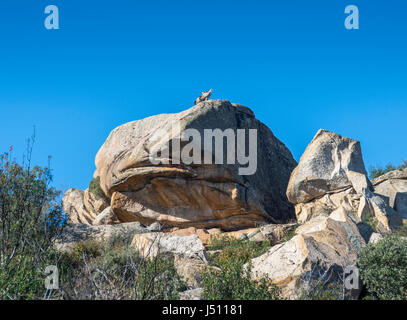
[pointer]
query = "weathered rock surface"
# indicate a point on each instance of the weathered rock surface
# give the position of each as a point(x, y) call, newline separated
point(331, 175)
point(107, 216)
point(149, 245)
point(331, 163)
point(74, 207)
point(76, 232)
point(207, 235)
point(192, 294)
point(191, 270)
point(375, 237)
point(319, 251)
point(197, 195)
point(274, 233)
point(393, 186)
point(94, 203)
point(83, 206)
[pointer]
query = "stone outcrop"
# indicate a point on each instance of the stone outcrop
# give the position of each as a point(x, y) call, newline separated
point(393, 186)
point(319, 252)
point(331, 175)
point(84, 206)
point(75, 232)
point(107, 216)
point(194, 195)
point(274, 233)
point(149, 245)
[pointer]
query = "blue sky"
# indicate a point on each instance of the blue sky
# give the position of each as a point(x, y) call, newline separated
point(292, 62)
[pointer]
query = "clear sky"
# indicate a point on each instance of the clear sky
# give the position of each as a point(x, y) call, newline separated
point(292, 62)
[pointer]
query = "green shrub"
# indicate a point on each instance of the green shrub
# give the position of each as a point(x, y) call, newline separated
point(290, 233)
point(370, 220)
point(375, 172)
point(383, 268)
point(114, 271)
point(94, 187)
point(31, 218)
point(238, 250)
point(233, 281)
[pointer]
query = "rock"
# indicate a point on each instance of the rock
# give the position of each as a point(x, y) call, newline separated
point(74, 207)
point(83, 206)
point(320, 250)
point(73, 233)
point(202, 234)
point(149, 245)
point(206, 236)
point(274, 233)
point(331, 175)
point(155, 227)
point(191, 270)
point(94, 203)
point(243, 236)
point(106, 217)
point(331, 163)
point(365, 230)
point(251, 234)
point(375, 237)
point(194, 195)
point(393, 186)
point(192, 294)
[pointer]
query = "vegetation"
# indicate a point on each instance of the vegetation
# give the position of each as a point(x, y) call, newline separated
point(370, 220)
point(115, 271)
point(375, 172)
point(30, 219)
point(383, 268)
point(94, 187)
point(232, 281)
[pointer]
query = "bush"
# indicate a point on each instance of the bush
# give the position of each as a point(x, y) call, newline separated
point(115, 271)
point(233, 281)
point(383, 268)
point(375, 172)
point(94, 187)
point(237, 250)
point(30, 219)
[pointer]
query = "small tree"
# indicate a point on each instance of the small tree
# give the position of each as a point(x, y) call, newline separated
point(383, 268)
point(30, 218)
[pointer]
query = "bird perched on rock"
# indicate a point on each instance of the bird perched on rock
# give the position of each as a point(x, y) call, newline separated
point(204, 96)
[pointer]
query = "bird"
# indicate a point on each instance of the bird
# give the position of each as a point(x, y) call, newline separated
point(204, 96)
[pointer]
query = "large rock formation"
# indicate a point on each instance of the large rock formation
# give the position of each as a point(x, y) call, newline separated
point(331, 175)
point(393, 186)
point(183, 194)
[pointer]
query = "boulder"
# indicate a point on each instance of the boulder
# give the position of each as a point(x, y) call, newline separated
point(331, 175)
point(221, 194)
point(106, 217)
point(191, 270)
point(393, 186)
point(375, 237)
point(319, 252)
point(331, 163)
point(74, 207)
point(84, 207)
point(192, 294)
point(149, 245)
point(274, 233)
point(73, 233)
